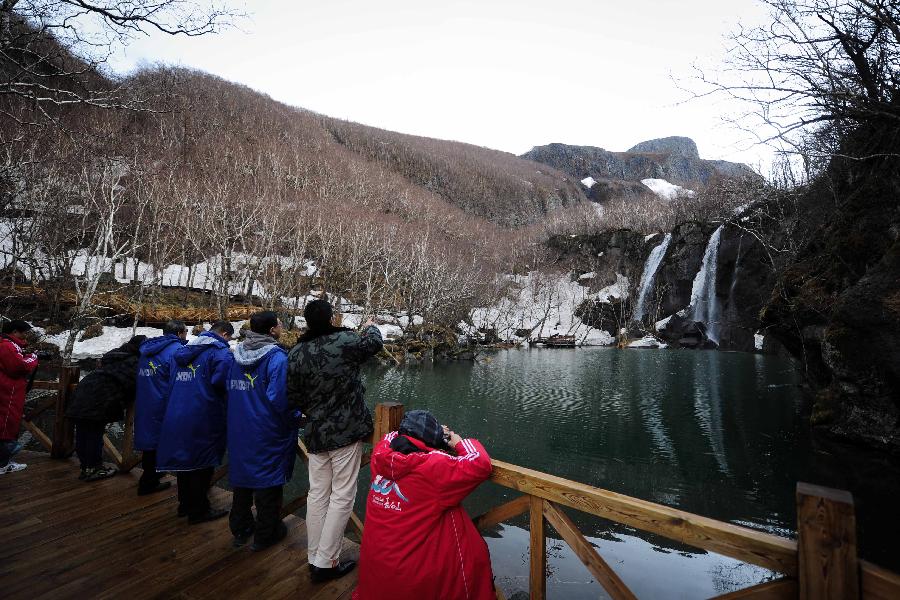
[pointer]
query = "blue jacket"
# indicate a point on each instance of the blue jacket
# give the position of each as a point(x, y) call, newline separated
point(262, 429)
point(153, 389)
point(193, 430)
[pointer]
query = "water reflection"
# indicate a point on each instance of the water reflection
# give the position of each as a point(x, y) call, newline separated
point(706, 432)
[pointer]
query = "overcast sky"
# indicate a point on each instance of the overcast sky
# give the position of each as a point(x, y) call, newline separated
point(506, 74)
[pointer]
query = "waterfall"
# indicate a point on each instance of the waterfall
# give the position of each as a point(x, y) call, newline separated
point(703, 293)
point(648, 277)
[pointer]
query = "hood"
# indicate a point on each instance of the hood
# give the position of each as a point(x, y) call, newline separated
point(15, 340)
point(395, 465)
point(256, 346)
point(197, 346)
point(126, 350)
point(310, 335)
point(154, 346)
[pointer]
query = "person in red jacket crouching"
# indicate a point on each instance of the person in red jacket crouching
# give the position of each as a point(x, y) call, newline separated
point(418, 542)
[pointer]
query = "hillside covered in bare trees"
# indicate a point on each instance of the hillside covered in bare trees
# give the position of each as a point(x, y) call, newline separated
point(181, 180)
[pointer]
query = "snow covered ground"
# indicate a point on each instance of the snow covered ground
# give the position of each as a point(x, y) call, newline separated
point(666, 190)
point(647, 342)
point(113, 337)
point(543, 303)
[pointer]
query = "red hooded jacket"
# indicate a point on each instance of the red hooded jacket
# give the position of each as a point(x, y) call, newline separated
point(15, 368)
point(418, 542)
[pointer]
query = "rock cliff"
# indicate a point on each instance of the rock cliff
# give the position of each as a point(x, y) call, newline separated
point(675, 159)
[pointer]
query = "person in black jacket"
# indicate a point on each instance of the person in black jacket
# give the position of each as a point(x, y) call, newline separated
point(101, 398)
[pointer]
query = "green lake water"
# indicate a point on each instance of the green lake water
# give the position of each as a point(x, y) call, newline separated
point(714, 433)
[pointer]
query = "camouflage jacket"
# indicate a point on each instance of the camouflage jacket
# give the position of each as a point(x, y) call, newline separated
point(324, 382)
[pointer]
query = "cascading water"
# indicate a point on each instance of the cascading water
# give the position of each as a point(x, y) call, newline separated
point(648, 277)
point(704, 301)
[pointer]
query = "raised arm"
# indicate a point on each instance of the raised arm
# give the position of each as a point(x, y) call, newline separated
point(15, 363)
point(461, 474)
point(369, 344)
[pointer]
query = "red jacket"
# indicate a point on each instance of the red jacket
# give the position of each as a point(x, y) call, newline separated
point(15, 369)
point(418, 542)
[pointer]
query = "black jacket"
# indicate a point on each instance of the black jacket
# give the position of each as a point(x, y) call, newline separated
point(104, 394)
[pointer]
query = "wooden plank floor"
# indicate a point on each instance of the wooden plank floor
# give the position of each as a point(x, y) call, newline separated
point(64, 538)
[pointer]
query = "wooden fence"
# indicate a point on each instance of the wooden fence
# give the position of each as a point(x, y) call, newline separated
point(821, 564)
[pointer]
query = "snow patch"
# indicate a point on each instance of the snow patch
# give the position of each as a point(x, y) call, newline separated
point(542, 304)
point(647, 342)
point(112, 338)
point(661, 324)
point(666, 190)
point(617, 291)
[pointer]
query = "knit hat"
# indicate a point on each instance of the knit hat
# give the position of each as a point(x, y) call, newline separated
point(423, 426)
point(16, 325)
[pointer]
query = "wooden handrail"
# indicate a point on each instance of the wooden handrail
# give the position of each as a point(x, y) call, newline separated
point(763, 549)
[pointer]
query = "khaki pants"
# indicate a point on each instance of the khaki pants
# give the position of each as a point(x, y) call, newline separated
point(332, 491)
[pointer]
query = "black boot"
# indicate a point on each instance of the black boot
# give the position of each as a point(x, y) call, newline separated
point(320, 574)
point(210, 515)
point(280, 534)
point(160, 486)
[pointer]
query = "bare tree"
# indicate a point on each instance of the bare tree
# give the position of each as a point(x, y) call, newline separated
point(817, 69)
point(39, 41)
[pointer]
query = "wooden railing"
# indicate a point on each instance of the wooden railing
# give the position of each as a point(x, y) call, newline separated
point(821, 564)
point(62, 443)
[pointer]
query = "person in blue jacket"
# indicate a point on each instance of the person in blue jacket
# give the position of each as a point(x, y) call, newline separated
point(192, 439)
point(262, 433)
point(150, 400)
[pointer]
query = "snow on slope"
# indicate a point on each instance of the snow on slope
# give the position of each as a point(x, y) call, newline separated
point(542, 303)
point(666, 190)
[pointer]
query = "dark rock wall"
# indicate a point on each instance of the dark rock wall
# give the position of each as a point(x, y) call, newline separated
point(744, 283)
point(680, 265)
point(744, 277)
point(836, 308)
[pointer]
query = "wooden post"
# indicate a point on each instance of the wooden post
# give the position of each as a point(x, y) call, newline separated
point(538, 551)
point(826, 543)
point(63, 430)
point(387, 419)
point(128, 458)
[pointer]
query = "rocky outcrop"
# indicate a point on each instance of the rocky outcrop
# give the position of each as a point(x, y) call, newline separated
point(837, 307)
point(605, 254)
point(675, 277)
point(743, 284)
point(674, 159)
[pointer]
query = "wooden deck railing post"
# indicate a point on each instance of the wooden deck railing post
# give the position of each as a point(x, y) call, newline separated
point(826, 544)
point(129, 459)
point(63, 430)
point(538, 551)
point(387, 419)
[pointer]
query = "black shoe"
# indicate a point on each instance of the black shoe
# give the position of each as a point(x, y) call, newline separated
point(280, 534)
point(241, 539)
point(160, 486)
point(320, 574)
point(210, 515)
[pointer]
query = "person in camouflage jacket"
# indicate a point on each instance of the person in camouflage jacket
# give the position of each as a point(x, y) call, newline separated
point(324, 383)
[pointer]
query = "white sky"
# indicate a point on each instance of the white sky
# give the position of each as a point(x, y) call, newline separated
point(506, 74)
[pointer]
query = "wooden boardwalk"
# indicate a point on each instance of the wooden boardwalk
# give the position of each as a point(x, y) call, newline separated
point(64, 538)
